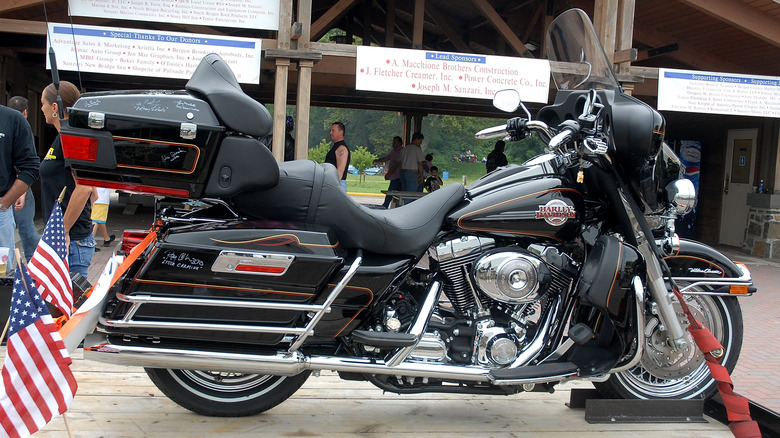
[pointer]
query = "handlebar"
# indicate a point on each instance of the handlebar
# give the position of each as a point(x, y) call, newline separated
point(516, 129)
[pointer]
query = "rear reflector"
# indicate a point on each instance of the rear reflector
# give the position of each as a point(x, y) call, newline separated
point(79, 148)
point(135, 188)
point(261, 269)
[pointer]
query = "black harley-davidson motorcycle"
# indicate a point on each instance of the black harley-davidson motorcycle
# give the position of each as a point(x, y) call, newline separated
point(257, 273)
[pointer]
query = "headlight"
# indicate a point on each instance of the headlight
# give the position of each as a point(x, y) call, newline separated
point(681, 196)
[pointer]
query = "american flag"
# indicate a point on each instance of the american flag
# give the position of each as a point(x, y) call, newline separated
point(37, 382)
point(49, 264)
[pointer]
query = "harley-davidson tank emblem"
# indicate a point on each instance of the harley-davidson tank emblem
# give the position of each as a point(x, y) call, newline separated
point(555, 212)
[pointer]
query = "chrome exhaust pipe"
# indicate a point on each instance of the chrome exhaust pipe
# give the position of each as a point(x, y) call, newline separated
point(283, 364)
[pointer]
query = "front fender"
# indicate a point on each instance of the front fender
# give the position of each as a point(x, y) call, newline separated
point(698, 264)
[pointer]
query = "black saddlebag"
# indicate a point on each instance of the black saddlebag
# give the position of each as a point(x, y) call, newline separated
point(236, 283)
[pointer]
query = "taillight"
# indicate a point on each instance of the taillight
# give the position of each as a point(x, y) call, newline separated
point(79, 148)
point(131, 238)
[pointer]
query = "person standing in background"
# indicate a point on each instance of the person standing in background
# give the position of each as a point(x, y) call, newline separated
point(496, 157)
point(56, 174)
point(393, 159)
point(19, 168)
point(101, 198)
point(24, 207)
point(338, 155)
point(412, 161)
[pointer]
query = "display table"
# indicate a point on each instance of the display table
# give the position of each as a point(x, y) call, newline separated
point(400, 198)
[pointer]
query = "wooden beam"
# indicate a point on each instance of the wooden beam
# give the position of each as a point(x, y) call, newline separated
point(742, 16)
point(532, 24)
point(325, 22)
point(12, 5)
point(503, 29)
point(450, 29)
point(419, 24)
point(687, 53)
point(25, 27)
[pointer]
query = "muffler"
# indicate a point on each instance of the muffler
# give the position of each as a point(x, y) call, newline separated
point(282, 363)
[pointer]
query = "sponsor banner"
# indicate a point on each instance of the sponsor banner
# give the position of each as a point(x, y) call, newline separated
point(450, 74)
point(149, 53)
point(718, 93)
point(247, 14)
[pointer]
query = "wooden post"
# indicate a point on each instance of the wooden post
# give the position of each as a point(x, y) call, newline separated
point(625, 31)
point(283, 42)
point(280, 106)
point(605, 22)
point(390, 24)
point(303, 106)
point(419, 20)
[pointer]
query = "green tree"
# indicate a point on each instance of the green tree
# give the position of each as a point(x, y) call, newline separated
point(362, 159)
point(318, 153)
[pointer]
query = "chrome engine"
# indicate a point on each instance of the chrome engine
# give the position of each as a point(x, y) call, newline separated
point(494, 301)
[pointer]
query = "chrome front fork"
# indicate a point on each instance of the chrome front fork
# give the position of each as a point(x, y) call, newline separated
point(655, 283)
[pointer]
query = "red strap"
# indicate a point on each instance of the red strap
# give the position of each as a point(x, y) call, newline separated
point(737, 407)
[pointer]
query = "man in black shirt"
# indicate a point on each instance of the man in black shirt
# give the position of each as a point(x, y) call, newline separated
point(19, 169)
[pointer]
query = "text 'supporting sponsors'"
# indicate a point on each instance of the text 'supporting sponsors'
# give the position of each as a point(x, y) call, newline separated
point(450, 74)
point(718, 93)
point(150, 53)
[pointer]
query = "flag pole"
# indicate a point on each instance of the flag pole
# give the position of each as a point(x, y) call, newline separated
point(67, 424)
point(18, 266)
point(62, 194)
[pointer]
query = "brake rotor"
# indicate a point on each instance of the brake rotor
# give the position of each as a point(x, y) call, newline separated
point(664, 361)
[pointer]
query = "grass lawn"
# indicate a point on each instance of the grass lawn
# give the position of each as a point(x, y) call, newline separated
point(456, 171)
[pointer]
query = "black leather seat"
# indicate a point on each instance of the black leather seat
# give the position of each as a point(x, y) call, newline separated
point(309, 192)
point(215, 82)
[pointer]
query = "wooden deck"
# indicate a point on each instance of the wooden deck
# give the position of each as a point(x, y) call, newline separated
point(114, 401)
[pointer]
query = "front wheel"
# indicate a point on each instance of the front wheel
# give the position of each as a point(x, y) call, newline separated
point(663, 373)
point(219, 394)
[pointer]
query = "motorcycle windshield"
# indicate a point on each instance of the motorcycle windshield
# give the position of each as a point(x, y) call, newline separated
point(577, 57)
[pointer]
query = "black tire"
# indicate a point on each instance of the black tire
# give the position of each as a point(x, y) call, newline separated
point(723, 317)
point(218, 394)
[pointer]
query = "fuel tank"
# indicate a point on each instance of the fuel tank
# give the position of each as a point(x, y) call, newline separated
point(539, 206)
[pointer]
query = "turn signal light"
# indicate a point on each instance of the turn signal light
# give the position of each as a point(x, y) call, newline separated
point(79, 148)
point(738, 289)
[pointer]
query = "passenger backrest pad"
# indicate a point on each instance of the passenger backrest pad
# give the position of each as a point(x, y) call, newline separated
point(217, 84)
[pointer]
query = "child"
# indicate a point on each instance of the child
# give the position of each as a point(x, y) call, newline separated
point(434, 181)
point(101, 197)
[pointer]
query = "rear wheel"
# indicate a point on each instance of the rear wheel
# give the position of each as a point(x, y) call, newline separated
point(663, 373)
point(220, 394)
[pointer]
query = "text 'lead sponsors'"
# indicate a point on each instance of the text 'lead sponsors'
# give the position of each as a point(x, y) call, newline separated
point(450, 74)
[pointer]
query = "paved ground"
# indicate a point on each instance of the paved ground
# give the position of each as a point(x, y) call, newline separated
point(757, 375)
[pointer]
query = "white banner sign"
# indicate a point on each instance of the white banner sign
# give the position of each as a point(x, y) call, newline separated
point(718, 93)
point(149, 53)
point(249, 14)
point(450, 74)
